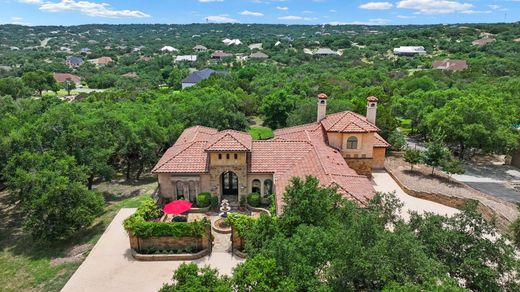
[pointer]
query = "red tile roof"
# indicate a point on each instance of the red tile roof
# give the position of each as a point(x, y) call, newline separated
point(452, 65)
point(229, 141)
point(348, 122)
point(379, 142)
point(61, 77)
point(297, 151)
point(372, 98)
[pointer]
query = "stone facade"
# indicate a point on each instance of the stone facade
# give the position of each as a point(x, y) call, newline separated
point(362, 166)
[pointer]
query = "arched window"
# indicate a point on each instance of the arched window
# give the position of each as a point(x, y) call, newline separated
point(193, 194)
point(352, 143)
point(256, 186)
point(268, 187)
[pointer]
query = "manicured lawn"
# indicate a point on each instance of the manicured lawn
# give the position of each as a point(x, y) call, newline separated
point(261, 133)
point(28, 266)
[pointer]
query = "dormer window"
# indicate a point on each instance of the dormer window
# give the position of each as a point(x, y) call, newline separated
point(227, 156)
point(352, 143)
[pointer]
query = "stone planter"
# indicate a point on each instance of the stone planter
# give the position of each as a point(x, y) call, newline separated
point(170, 257)
point(220, 230)
point(257, 209)
point(200, 210)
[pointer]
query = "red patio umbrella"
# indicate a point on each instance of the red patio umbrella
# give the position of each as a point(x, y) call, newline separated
point(177, 207)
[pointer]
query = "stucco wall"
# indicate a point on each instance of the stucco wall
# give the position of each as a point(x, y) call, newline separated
point(365, 144)
point(224, 161)
point(378, 161)
point(262, 178)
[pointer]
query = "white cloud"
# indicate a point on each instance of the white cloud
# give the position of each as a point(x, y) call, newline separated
point(376, 5)
point(209, 1)
point(333, 11)
point(434, 6)
point(494, 6)
point(475, 11)
point(284, 8)
point(251, 13)
point(220, 18)
point(290, 17)
point(90, 9)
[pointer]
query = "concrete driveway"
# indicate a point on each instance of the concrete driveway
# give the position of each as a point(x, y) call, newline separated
point(383, 182)
point(111, 267)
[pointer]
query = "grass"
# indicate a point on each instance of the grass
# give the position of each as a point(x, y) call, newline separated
point(261, 133)
point(28, 266)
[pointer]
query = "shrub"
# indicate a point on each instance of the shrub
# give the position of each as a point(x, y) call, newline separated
point(253, 199)
point(203, 200)
point(241, 223)
point(397, 140)
point(214, 201)
point(148, 209)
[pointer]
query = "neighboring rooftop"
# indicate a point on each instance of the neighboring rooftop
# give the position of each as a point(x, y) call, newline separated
point(483, 41)
point(198, 76)
point(451, 65)
point(62, 77)
point(410, 50)
point(259, 56)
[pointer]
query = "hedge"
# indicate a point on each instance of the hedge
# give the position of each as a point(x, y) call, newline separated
point(253, 199)
point(241, 223)
point(138, 226)
point(203, 200)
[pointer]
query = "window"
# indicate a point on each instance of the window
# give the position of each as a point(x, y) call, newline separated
point(352, 142)
point(268, 187)
point(180, 189)
point(256, 185)
point(220, 156)
point(236, 156)
point(227, 156)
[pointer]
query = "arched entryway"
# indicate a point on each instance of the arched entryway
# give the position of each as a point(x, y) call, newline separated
point(229, 182)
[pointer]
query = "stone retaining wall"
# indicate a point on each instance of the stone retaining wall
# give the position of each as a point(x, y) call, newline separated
point(171, 257)
point(456, 202)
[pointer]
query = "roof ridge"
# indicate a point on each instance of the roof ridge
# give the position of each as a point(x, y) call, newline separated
point(226, 133)
point(177, 154)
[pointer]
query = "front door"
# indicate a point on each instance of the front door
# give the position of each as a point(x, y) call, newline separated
point(229, 184)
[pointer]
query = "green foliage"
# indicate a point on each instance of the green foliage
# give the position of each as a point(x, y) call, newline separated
point(241, 223)
point(515, 231)
point(203, 200)
point(453, 167)
point(189, 277)
point(214, 201)
point(54, 200)
point(253, 199)
point(138, 224)
point(39, 81)
point(435, 154)
point(397, 140)
point(261, 133)
point(413, 156)
point(260, 274)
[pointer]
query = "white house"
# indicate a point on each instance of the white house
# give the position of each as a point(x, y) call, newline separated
point(409, 50)
point(169, 49)
point(186, 58)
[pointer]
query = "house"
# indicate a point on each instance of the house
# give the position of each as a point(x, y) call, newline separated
point(130, 75)
point(409, 50)
point(259, 56)
point(101, 61)
point(483, 41)
point(229, 42)
point(200, 49)
point(168, 49)
point(257, 46)
point(73, 61)
point(197, 77)
point(324, 52)
point(84, 50)
point(450, 65)
point(62, 77)
point(145, 58)
point(339, 149)
point(186, 58)
point(219, 55)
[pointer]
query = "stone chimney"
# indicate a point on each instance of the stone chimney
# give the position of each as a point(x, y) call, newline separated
point(322, 106)
point(372, 109)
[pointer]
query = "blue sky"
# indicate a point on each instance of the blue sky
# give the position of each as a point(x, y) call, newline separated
point(71, 12)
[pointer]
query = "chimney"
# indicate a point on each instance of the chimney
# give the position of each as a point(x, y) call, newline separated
point(372, 109)
point(322, 106)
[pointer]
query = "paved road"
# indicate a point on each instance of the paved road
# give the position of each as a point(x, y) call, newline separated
point(383, 182)
point(111, 267)
point(495, 180)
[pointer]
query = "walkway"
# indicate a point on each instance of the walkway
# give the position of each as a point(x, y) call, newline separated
point(111, 267)
point(384, 183)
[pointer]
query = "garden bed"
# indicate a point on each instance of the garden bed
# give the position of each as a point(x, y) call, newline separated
point(221, 226)
point(441, 189)
point(171, 257)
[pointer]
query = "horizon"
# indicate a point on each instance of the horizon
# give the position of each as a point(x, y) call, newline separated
point(282, 12)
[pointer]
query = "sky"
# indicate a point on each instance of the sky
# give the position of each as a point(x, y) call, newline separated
point(391, 12)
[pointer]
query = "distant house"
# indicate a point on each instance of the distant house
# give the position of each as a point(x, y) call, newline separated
point(101, 61)
point(257, 46)
point(169, 49)
point(483, 41)
point(62, 77)
point(409, 50)
point(85, 50)
point(198, 76)
point(186, 58)
point(450, 65)
point(324, 52)
point(200, 49)
point(130, 75)
point(229, 42)
point(259, 56)
point(145, 58)
point(218, 55)
point(73, 61)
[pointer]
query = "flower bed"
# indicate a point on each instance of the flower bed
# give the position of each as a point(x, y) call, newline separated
point(146, 234)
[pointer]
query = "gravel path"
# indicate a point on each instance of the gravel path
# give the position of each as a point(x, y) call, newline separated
point(111, 267)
